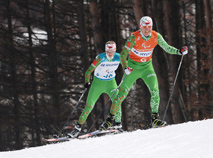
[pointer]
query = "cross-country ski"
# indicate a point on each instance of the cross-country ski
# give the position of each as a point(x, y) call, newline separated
point(96, 133)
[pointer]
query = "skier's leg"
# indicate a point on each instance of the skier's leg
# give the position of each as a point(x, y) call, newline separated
point(92, 97)
point(94, 93)
point(116, 103)
point(123, 91)
point(151, 81)
point(110, 91)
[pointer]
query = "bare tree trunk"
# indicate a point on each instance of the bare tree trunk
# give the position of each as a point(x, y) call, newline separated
point(137, 10)
point(15, 93)
point(96, 26)
point(160, 61)
point(36, 140)
point(52, 62)
point(83, 43)
point(172, 27)
point(210, 52)
point(202, 57)
point(208, 13)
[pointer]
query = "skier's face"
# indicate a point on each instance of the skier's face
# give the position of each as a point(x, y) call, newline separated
point(110, 49)
point(110, 53)
point(146, 30)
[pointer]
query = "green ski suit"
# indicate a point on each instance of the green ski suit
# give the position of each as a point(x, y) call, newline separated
point(103, 82)
point(143, 70)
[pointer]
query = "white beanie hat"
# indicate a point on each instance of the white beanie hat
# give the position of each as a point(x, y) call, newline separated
point(110, 47)
point(146, 20)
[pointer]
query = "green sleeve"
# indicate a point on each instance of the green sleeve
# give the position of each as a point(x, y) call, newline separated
point(167, 48)
point(126, 49)
point(92, 67)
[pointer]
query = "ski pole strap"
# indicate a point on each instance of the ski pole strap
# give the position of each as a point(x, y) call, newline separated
point(173, 87)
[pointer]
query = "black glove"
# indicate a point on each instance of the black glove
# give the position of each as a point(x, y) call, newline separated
point(183, 50)
point(87, 85)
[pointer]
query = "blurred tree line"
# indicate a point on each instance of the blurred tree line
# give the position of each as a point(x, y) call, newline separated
point(46, 47)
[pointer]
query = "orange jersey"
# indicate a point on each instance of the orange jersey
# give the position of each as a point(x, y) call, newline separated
point(142, 50)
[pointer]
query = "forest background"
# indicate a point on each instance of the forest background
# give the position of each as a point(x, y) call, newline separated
point(46, 47)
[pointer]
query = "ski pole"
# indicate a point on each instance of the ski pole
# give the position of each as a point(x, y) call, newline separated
point(132, 106)
point(105, 106)
point(72, 111)
point(173, 88)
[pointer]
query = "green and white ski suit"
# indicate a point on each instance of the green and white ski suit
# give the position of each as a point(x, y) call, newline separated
point(103, 82)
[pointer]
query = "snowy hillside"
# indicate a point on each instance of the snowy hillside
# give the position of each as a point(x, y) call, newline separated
point(187, 140)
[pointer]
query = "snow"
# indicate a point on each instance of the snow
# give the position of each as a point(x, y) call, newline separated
point(186, 140)
point(37, 36)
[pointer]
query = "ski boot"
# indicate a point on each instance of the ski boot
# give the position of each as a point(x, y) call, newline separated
point(118, 126)
point(75, 132)
point(107, 123)
point(156, 122)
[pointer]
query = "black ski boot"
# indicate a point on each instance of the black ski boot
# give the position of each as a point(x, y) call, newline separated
point(75, 132)
point(107, 123)
point(156, 122)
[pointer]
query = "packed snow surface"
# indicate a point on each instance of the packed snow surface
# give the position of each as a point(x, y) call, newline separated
point(187, 140)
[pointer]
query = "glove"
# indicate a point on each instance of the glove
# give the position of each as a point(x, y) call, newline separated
point(87, 85)
point(128, 70)
point(184, 50)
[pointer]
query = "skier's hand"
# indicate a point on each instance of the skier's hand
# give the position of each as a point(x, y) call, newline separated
point(87, 85)
point(128, 70)
point(183, 50)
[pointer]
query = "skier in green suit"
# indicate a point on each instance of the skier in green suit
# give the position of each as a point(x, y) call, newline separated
point(139, 47)
point(104, 65)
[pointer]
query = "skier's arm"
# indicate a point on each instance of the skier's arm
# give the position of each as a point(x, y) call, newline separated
point(125, 52)
point(166, 47)
point(92, 67)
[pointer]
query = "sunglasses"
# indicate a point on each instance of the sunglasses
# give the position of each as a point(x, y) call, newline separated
point(147, 26)
point(110, 51)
